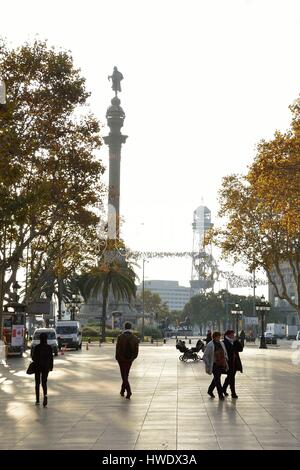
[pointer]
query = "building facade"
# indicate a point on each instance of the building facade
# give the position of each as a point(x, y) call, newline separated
point(171, 292)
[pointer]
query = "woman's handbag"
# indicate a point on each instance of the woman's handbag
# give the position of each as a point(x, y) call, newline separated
point(221, 362)
point(31, 368)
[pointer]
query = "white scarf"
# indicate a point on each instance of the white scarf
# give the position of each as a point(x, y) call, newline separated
point(230, 339)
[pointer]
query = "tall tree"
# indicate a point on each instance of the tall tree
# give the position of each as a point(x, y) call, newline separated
point(54, 261)
point(205, 308)
point(261, 211)
point(49, 171)
point(215, 308)
point(109, 276)
point(154, 305)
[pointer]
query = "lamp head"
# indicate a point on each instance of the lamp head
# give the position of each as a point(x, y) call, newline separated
point(16, 286)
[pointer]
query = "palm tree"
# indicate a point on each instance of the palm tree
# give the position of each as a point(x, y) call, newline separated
point(115, 276)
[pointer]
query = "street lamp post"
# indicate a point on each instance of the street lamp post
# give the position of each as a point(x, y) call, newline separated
point(143, 301)
point(2, 103)
point(2, 92)
point(262, 308)
point(74, 306)
point(237, 312)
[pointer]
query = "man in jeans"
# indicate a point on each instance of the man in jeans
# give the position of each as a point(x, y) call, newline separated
point(127, 350)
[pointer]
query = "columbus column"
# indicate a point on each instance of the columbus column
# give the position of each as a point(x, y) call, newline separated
point(115, 119)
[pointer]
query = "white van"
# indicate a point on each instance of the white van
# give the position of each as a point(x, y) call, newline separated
point(69, 334)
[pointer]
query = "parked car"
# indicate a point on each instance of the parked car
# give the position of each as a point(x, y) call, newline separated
point(270, 338)
point(51, 339)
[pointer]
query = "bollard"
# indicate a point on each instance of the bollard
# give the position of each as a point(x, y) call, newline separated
point(185, 337)
point(165, 340)
point(87, 346)
point(190, 341)
point(152, 340)
point(113, 340)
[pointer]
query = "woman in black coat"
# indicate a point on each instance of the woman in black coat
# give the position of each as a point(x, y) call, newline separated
point(43, 361)
point(233, 348)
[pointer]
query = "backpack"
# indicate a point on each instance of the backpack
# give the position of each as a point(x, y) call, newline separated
point(127, 349)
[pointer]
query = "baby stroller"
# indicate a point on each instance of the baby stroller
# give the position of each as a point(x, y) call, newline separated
point(190, 354)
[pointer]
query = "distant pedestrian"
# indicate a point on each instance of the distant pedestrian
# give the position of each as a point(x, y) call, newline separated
point(208, 337)
point(215, 359)
point(233, 348)
point(242, 337)
point(127, 349)
point(43, 362)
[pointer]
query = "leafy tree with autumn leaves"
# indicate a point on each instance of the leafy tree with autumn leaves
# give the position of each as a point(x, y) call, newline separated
point(55, 261)
point(261, 211)
point(49, 169)
point(154, 305)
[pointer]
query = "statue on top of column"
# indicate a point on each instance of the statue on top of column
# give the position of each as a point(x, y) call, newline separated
point(116, 78)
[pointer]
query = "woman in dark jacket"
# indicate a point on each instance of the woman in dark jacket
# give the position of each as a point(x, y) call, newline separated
point(233, 348)
point(43, 361)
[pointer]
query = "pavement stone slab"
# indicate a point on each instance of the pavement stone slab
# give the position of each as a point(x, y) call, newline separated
point(169, 408)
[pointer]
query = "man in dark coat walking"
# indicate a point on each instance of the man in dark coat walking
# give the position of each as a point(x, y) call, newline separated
point(233, 348)
point(43, 362)
point(127, 350)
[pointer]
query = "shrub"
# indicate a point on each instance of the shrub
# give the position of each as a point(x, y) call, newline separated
point(114, 333)
point(155, 333)
point(90, 331)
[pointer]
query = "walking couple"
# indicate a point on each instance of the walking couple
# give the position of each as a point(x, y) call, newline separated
point(222, 357)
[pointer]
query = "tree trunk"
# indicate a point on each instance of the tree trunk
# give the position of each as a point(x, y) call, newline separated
point(59, 297)
point(103, 317)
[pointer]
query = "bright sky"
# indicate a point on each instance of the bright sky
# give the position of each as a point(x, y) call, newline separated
point(204, 81)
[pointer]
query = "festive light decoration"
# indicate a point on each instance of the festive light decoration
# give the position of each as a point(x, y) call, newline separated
point(117, 249)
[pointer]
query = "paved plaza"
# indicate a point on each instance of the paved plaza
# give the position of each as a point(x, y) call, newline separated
point(169, 409)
